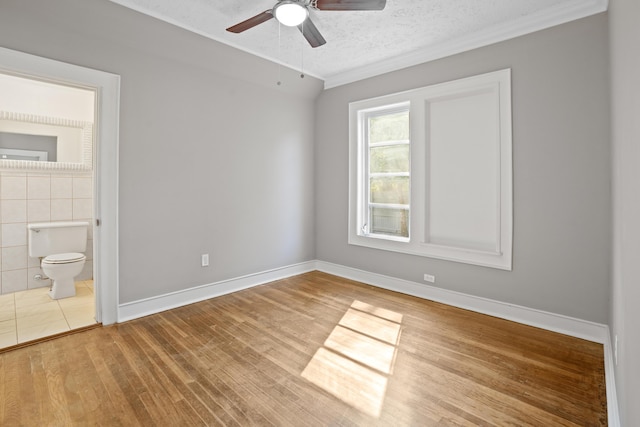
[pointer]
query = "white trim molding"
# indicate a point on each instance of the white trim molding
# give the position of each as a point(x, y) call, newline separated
point(566, 325)
point(578, 328)
point(560, 14)
point(144, 307)
point(613, 412)
point(549, 17)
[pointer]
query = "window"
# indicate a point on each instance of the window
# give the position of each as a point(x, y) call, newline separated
point(385, 138)
point(430, 171)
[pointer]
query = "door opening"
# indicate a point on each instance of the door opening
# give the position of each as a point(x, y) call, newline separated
point(103, 161)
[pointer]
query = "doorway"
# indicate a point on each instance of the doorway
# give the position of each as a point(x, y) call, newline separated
point(95, 173)
point(46, 177)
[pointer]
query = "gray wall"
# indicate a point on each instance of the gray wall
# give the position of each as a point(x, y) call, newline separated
point(214, 157)
point(561, 162)
point(625, 126)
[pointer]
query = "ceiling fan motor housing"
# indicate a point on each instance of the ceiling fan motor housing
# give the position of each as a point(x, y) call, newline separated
point(290, 12)
point(294, 13)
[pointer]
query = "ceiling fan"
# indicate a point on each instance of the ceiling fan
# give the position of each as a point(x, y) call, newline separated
point(295, 13)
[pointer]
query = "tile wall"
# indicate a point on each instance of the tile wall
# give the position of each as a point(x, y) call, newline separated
point(38, 197)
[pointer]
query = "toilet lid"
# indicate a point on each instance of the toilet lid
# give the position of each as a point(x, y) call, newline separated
point(64, 258)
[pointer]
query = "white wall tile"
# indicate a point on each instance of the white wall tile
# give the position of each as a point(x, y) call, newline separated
point(14, 281)
point(13, 187)
point(82, 188)
point(13, 211)
point(87, 271)
point(82, 208)
point(32, 262)
point(14, 234)
point(38, 210)
point(61, 187)
point(14, 258)
point(38, 187)
point(61, 210)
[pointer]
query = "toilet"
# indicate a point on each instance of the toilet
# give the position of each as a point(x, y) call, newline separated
point(60, 246)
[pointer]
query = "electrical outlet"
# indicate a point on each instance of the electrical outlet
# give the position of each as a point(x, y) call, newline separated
point(430, 278)
point(615, 350)
point(205, 260)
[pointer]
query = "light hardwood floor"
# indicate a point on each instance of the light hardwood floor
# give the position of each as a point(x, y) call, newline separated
point(313, 349)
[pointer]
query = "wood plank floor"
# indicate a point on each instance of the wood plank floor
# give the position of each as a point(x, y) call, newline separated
point(313, 349)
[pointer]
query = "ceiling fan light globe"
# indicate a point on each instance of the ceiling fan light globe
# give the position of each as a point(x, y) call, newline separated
point(290, 14)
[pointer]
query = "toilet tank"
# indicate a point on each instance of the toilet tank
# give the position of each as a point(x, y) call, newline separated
point(47, 238)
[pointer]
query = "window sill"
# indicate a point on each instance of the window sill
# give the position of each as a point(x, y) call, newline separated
point(498, 260)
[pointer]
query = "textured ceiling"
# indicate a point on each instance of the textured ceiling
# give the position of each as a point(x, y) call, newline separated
point(361, 44)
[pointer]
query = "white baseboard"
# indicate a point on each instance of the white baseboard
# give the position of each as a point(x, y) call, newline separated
point(553, 322)
point(613, 413)
point(148, 306)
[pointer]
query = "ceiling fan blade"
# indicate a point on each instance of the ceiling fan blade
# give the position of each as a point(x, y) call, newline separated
point(251, 22)
point(351, 4)
point(311, 33)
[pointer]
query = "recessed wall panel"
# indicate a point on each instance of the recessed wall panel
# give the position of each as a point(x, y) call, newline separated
point(463, 161)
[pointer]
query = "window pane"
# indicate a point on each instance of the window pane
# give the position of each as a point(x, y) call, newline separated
point(387, 189)
point(391, 127)
point(389, 158)
point(393, 222)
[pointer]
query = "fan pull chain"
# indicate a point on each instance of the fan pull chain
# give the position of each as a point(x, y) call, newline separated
point(279, 55)
point(302, 54)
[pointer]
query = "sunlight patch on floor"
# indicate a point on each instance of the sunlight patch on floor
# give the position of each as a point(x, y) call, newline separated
point(358, 357)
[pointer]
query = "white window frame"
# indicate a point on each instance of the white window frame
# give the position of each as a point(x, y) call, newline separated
point(420, 242)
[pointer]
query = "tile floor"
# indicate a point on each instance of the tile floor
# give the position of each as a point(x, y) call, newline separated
point(31, 314)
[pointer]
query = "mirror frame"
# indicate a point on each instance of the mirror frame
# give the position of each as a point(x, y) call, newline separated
point(87, 144)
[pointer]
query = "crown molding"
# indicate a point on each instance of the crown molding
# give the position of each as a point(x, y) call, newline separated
point(180, 24)
point(560, 14)
point(550, 17)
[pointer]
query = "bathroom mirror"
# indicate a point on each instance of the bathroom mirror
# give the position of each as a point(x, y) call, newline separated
point(30, 142)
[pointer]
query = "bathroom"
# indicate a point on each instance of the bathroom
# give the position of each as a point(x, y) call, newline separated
point(43, 186)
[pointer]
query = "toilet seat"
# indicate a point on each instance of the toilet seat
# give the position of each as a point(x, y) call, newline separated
point(67, 258)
